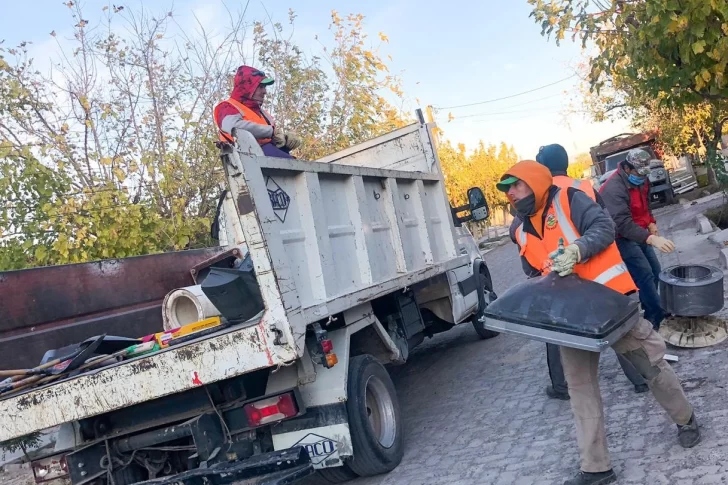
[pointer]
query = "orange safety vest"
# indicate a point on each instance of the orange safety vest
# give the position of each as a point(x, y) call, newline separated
point(564, 182)
point(606, 268)
point(248, 115)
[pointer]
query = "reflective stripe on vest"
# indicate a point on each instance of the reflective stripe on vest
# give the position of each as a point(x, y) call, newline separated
point(248, 115)
point(563, 182)
point(610, 273)
point(606, 268)
point(564, 222)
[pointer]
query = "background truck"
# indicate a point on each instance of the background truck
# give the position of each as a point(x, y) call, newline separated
point(352, 261)
point(607, 156)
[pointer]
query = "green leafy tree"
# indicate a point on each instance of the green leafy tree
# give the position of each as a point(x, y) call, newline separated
point(667, 53)
point(23, 443)
point(578, 166)
point(114, 154)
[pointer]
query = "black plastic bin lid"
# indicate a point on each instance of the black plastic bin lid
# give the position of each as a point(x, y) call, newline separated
point(569, 305)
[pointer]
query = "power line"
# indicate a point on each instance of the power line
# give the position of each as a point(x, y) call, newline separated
point(509, 96)
point(522, 117)
point(525, 103)
point(527, 110)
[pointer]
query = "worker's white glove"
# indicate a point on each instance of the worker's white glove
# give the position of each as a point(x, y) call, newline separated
point(292, 141)
point(278, 138)
point(661, 243)
point(564, 263)
point(653, 229)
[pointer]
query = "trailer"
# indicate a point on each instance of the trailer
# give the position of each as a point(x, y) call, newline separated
point(340, 267)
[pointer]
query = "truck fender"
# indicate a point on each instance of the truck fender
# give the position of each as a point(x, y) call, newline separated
point(324, 429)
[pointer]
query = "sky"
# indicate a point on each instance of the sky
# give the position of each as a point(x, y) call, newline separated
point(447, 54)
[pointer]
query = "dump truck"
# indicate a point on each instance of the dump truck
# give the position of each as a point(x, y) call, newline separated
point(331, 270)
point(607, 156)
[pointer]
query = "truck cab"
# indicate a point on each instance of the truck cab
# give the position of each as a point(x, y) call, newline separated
point(610, 153)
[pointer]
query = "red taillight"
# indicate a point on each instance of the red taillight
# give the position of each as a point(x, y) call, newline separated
point(272, 409)
point(327, 346)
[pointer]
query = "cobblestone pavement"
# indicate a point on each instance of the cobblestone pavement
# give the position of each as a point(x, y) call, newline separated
point(475, 411)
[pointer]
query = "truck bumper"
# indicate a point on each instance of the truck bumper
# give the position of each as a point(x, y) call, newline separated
point(659, 188)
point(276, 468)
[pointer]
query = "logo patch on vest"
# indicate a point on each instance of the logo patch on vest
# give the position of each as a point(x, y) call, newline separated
point(550, 221)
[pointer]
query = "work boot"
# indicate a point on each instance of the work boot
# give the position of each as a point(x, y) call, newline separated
point(586, 478)
point(554, 394)
point(641, 388)
point(689, 434)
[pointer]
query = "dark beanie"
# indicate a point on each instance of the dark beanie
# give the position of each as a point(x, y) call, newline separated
point(554, 157)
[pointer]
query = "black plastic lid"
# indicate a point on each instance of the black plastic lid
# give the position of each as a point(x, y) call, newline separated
point(570, 305)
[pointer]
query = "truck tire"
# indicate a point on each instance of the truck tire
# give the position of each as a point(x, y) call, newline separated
point(486, 295)
point(339, 474)
point(374, 418)
point(669, 197)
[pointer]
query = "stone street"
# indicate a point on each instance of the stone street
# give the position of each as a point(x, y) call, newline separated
point(475, 412)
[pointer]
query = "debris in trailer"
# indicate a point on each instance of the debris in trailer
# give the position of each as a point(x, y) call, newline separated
point(108, 353)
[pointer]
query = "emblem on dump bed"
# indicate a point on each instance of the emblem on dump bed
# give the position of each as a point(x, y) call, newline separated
point(278, 199)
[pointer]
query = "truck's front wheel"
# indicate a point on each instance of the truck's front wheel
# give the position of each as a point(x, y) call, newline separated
point(486, 296)
point(374, 418)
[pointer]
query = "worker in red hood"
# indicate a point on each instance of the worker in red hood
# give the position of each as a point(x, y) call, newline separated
point(243, 111)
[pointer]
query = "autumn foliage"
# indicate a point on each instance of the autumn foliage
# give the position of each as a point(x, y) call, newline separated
point(112, 153)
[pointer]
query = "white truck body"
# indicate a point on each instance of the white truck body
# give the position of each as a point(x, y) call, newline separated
point(326, 238)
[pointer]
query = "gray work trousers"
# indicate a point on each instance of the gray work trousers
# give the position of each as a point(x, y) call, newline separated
point(645, 350)
point(556, 370)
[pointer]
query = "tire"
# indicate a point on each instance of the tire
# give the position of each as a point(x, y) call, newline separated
point(340, 474)
point(374, 418)
point(669, 197)
point(485, 297)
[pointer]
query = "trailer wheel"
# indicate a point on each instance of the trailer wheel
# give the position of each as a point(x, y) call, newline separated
point(374, 418)
point(486, 296)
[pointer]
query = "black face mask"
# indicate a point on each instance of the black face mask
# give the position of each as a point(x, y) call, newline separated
point(527, 206)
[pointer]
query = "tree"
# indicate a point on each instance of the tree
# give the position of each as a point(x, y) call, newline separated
point(668, 52)
point(482, 168)
point(112, 154)
point(579, 165)
point(24, 443)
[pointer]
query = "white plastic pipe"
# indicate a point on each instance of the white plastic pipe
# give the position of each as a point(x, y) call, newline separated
point(186, 305)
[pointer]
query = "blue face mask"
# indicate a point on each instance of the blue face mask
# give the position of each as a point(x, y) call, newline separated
point(635, 180)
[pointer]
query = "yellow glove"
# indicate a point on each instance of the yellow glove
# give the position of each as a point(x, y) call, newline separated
point(292, 141)
point(278, 138)
point(661, 243)
point(653, 229)
point(564, 263)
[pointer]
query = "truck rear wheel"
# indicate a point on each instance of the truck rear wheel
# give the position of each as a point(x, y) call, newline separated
point(486, 296)
point(339, 474)
point(374, 418)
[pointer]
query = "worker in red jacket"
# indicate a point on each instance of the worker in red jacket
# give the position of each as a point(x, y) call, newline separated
point(626, 196)
point(243, 111)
